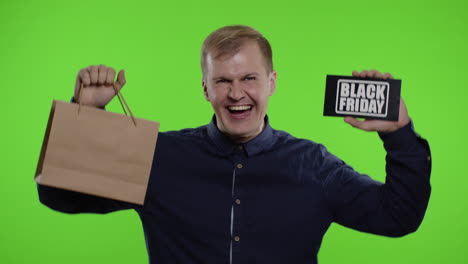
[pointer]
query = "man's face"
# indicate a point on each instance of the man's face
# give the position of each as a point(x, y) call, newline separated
point(238, 88)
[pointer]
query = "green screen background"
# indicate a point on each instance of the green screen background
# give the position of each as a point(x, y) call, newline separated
point(45, 43)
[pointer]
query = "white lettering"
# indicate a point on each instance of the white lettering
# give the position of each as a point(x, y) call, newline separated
point(353, 92)
point(344, 90)
point(350, 104)
point(364, 105)
point(361, 92)
point(342, 103)
point(380, 92)
point(380, 104)
point(372, 107)
point(370, 91)
point(362, 97)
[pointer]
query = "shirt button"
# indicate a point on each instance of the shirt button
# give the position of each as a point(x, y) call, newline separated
point(240, 147)
point(237, 201)
point(236, 238)
point(428, 157)
point(239, 166)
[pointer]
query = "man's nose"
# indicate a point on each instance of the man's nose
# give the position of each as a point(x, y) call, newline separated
point(236, 91)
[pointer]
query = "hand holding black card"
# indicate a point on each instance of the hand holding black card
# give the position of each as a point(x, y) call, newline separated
point(362, 97)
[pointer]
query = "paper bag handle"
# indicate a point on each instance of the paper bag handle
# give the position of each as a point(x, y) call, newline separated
point(122, 101)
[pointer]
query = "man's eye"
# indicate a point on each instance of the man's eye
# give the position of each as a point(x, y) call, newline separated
point(249, 78)
point(222, 81)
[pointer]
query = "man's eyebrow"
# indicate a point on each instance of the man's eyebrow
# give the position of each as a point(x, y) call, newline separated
point(243, 76)
point(220, 78)
point(251, 73)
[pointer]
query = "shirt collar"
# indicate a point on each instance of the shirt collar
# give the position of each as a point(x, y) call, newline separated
point(258, 144)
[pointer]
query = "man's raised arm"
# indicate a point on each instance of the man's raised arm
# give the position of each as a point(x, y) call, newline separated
point(397, 207)
point(98, 90)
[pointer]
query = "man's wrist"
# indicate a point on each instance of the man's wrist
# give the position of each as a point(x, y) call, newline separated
point(401, 139)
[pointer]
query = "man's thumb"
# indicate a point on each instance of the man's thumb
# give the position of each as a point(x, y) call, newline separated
point(120, 80)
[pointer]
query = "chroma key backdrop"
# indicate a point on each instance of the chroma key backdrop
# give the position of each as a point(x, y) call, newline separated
point(45, 43)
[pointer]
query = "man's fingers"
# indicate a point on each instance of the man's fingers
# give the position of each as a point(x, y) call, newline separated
point(387, 76)
point(375, 74)
point(372, 74)
point(366, 125)
point(120, 80)
point(85, 77)
point(102, 74)
point(110, 76)
point(98, 75)
point(93, 73)
point(352, 121)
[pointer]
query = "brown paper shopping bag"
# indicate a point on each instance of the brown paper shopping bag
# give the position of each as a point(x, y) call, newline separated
point(96, 152)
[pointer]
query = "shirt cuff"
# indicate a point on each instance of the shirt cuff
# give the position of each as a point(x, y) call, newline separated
point(401, 139)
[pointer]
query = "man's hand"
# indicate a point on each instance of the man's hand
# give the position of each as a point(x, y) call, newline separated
point(379, 125)
point(98, 85)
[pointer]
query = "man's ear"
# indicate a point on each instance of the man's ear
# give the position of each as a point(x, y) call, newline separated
point(272, 80)
point(205, 90)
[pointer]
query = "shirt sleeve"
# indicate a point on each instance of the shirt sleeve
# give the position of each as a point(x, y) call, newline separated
point(394, 208)
point(74, 202)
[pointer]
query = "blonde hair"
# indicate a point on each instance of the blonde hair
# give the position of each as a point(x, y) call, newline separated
point(229, 39)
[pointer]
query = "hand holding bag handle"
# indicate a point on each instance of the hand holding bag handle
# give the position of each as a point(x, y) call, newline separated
point(122, 101)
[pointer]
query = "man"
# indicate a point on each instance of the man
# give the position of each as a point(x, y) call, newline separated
point(238, 191)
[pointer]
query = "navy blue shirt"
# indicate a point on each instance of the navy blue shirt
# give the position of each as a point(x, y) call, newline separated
point(269, 200)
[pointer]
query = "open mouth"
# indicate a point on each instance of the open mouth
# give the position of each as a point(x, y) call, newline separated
point(239, 111)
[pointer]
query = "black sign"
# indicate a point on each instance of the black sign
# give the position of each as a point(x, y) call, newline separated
point(362, 97)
